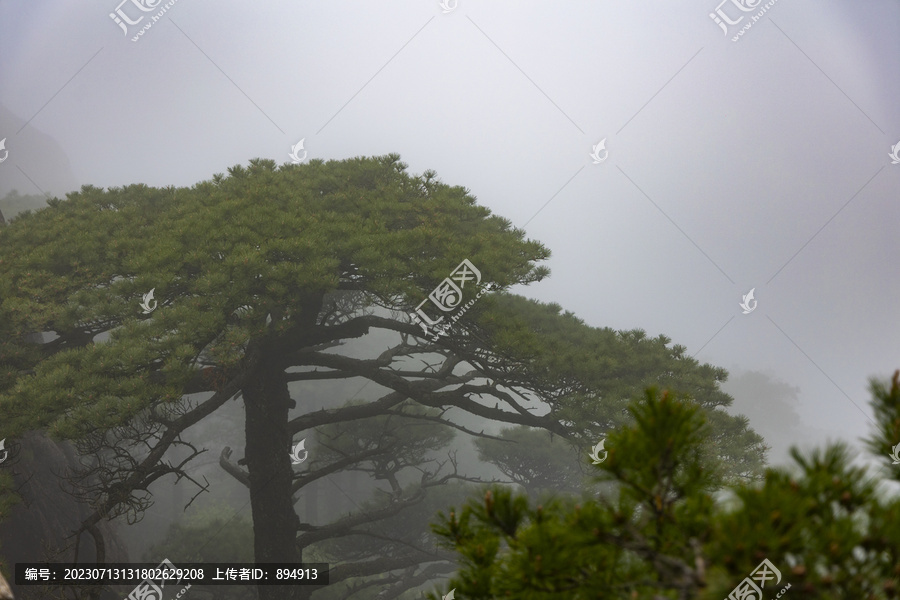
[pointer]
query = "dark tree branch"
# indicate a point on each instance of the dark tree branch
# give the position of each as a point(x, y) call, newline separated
point(339, 465)
point(338, 528)
point(447, 423)
point(423, 392)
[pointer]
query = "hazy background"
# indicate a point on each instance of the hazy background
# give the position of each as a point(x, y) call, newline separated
point(757, 164)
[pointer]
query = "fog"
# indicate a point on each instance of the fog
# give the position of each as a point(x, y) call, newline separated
point(761, 163)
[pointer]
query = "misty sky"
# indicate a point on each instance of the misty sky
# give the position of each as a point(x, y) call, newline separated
point(761, 163)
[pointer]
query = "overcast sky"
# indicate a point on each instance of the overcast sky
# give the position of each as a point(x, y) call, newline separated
point(758, 163)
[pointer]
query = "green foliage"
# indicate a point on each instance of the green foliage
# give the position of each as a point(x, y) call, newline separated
point(535, 459)
point(243, 265)
point(212, 534)
point(593, 372)
point(208, 535)
point(267, 242)
point(663, 533)
point(564, 549)
point(14, 203)
point(827, 518)
point(400, 441)
point(410, 526)
point(221, 256)
point(887, 414)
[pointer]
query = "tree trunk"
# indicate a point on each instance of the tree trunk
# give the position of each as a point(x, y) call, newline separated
point(267, 456)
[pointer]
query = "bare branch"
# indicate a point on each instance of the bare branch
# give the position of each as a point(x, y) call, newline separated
point(232, 469)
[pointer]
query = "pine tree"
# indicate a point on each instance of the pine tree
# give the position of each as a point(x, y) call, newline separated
point(259, 278)
point(670, 529)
